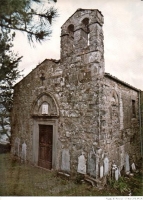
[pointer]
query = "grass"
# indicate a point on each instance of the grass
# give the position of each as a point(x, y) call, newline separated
point(17, 179)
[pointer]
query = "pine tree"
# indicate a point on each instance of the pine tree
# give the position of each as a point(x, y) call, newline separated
point(8, 75)
point(24, 16)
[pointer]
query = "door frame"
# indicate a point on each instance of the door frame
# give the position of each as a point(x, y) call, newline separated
point(35, 154)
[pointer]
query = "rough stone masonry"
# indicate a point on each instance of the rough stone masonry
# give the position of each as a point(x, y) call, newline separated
point(71, 116)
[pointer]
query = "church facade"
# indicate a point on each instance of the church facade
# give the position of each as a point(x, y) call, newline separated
point(71, 116)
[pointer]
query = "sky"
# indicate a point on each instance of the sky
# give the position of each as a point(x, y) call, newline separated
point(123, 38)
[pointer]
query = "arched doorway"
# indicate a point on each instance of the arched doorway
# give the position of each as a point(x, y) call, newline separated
point(45, 115)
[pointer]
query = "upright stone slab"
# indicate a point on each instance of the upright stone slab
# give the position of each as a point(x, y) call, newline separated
point(98, 155)
point(65, 166)
point(127, 164)
point(81, 165)
point(122, 156)
point(91, 164)
point(17, 146)
point(115, 171)
point(101, 171)
point(133, 167)
point(106, 166)
point(23, 153)
point(116, 174)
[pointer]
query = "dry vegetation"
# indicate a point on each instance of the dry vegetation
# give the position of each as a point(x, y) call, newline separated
point(18, 179)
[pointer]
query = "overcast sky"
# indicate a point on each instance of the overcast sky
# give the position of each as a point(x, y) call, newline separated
point(123, 38)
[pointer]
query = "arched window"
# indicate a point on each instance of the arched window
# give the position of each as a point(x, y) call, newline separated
point(133, 108)
point(71, 30)
point(85, 23)
point(114, 98)
point(70, 41)
point(114, 112)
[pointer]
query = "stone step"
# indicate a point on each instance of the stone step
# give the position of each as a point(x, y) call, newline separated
point(64, 175)
point(90, 181)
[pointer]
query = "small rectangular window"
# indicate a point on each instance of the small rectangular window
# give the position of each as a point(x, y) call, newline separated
point(133, 108)
point(45, 109)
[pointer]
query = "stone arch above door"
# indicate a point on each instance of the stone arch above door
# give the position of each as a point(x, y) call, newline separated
point(45, 105)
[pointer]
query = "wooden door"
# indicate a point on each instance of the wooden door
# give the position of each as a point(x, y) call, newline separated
point(45, 146)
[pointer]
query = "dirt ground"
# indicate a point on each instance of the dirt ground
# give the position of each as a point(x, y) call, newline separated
point(19, 179)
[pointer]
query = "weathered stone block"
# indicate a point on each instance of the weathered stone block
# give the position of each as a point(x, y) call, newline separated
point(65, 166)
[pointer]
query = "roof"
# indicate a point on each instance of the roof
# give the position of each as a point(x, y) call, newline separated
point(81, 9)
point(122, 82)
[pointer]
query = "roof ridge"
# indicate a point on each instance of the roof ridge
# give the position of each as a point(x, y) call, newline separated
point(123, 82)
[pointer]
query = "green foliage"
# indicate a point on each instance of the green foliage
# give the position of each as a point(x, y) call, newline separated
point(40, 182)
point(120, 185)
point(4, 123)
point(8, 75)
point(32, 18)
point(26, 16)
point(8, 69)
point(79, 178)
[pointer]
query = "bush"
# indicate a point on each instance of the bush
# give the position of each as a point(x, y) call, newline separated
point(120, 185)
point(79, 178)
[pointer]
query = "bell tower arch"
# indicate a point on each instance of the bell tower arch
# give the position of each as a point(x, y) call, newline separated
point(82, 36)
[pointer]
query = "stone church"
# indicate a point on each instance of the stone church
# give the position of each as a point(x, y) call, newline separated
point(71, 116)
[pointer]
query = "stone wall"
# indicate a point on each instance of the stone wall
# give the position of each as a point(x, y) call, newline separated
point(95, 119)
point(121, 133)
point(83, 69)
point(141, 120)
point(26, 94)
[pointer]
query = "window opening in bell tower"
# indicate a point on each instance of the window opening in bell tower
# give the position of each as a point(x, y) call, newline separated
point(71, 31)
point(85, 23)
point(71, 36)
